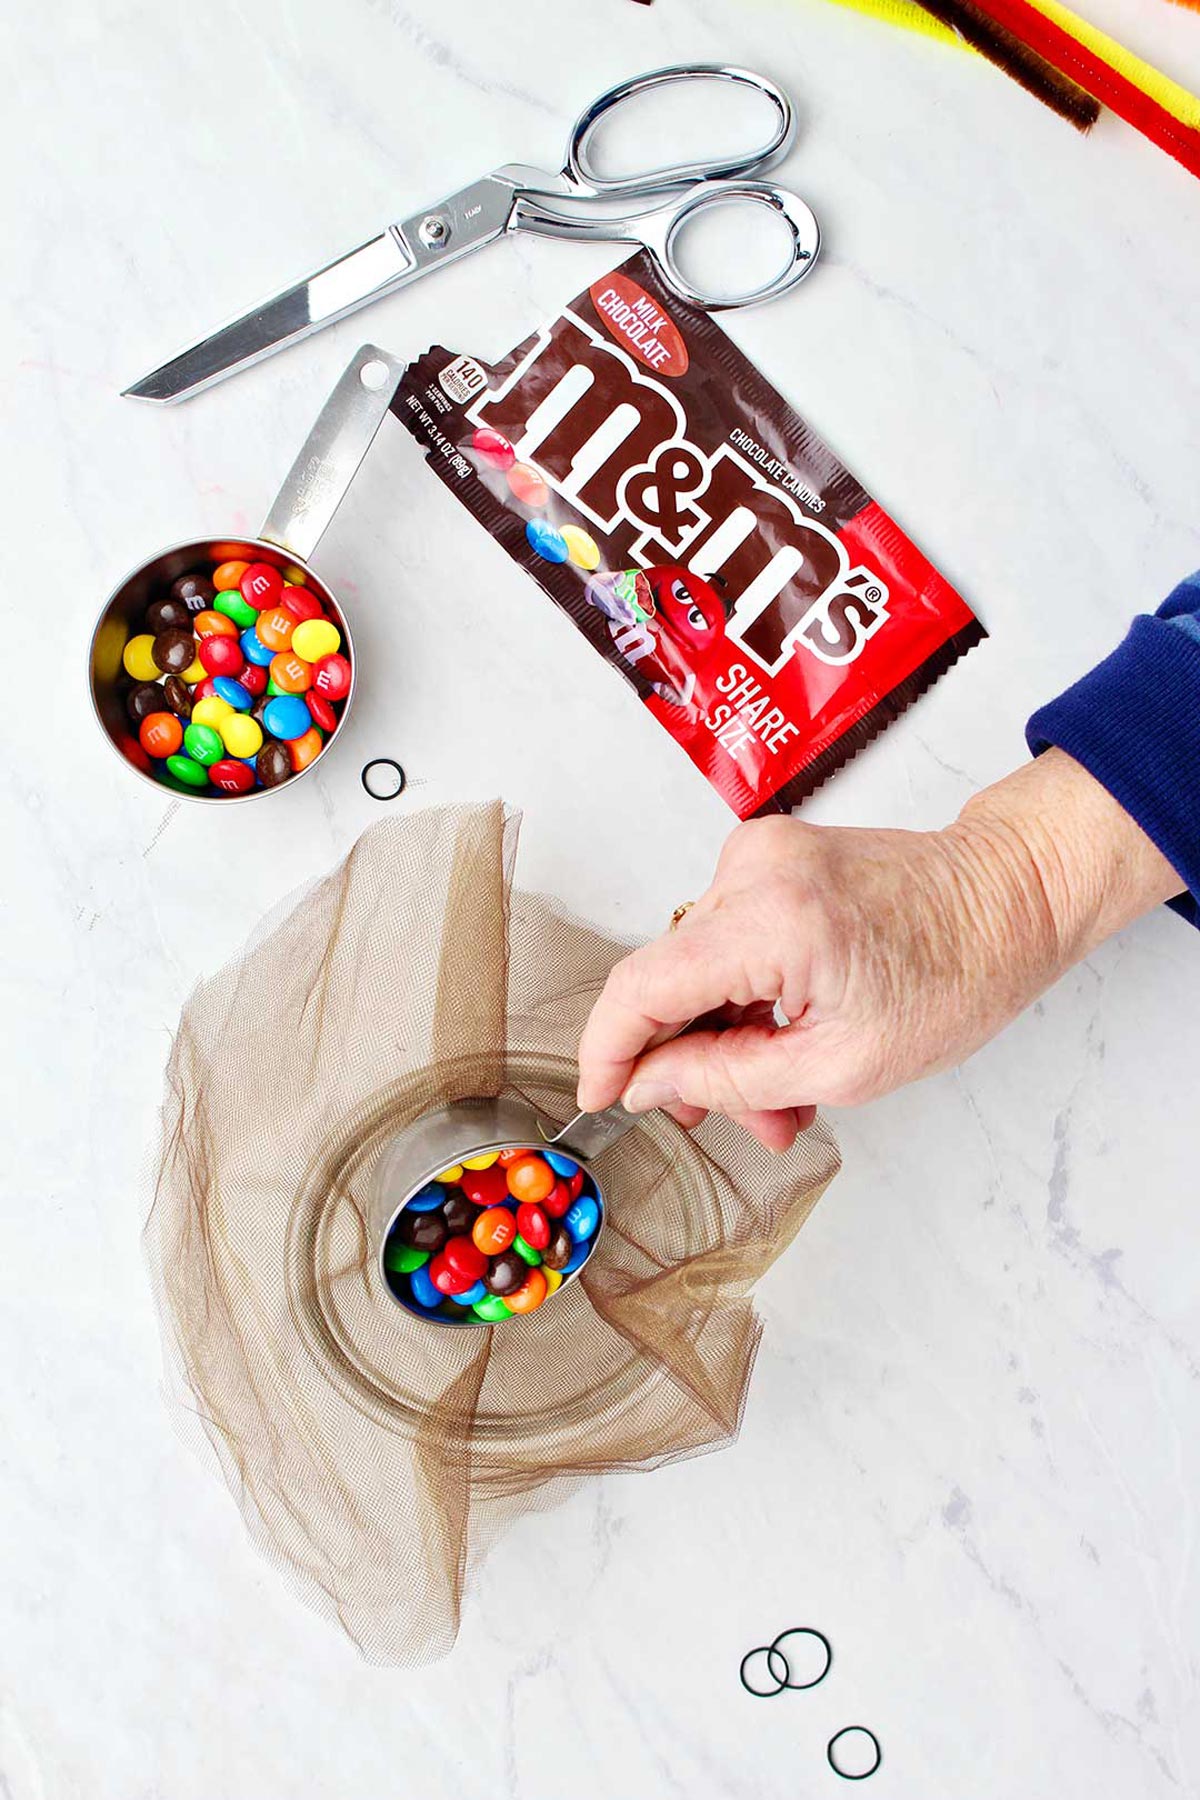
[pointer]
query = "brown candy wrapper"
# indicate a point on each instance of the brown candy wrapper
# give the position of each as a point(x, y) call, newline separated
point(702, 537)
point(374, 1455)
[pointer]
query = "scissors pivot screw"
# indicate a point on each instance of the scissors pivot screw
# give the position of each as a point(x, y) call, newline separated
point(434, 230)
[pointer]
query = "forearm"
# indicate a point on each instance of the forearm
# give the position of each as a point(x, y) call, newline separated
point(1072, 864)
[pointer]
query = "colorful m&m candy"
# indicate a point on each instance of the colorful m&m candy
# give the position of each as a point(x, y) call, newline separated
point(546, 541)
point(493, 448)
point(527, 486)
point(222, 697)
point(260, 585)
point(479, 1243)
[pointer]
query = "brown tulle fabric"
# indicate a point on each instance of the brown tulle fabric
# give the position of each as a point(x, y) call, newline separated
point(374, 1455)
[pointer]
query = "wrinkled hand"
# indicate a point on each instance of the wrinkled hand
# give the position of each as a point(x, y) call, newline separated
point(890, 954)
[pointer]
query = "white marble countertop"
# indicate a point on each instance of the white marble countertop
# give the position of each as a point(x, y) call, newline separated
point(972, 1445)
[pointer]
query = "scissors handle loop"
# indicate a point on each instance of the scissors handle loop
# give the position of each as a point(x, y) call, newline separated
point(582, 171)
point(661, 228)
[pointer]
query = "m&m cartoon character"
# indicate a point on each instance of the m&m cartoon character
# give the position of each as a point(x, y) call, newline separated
point(669, 623)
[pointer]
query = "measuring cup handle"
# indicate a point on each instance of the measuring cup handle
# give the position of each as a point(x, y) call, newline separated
point(319, 478)
point(581, 170)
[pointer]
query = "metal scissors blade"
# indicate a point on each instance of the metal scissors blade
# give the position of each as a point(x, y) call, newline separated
point(441, 234)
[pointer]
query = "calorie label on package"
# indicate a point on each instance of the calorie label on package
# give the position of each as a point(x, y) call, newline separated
point(699, 533)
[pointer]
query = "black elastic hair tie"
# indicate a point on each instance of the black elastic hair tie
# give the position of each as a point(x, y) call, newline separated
point(836, 1738)
point(384, 787)
point(770, 1652)
point(804, 1631)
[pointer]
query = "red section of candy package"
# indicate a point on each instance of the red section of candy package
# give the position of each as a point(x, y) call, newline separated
point(699, 533)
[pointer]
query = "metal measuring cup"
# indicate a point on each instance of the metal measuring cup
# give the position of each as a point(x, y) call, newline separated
point(440, 1139)
point(315, 487)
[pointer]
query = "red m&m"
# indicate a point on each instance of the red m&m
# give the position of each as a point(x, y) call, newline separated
point(493, 448)
point(231, 776)
point(321, 711)
point(486, 1187)
point(261, 586)
point(533, 1226)
point(331, 676)
point(300, 603)
point(221, 655)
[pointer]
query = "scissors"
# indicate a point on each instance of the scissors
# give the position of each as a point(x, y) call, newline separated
point(519, 198)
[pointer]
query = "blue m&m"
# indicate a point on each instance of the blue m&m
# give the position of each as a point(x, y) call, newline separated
point(286, 717)
point(546, 541)
point(562, 1165)
point(230, 689)
point(253, 648)
point(581, 1218)
point(423, 1290)
point(429, 1198)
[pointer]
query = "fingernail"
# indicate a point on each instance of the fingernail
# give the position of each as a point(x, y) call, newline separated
point(644, 1096)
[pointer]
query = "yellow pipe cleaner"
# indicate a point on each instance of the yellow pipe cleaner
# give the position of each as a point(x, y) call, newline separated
point(910, 16)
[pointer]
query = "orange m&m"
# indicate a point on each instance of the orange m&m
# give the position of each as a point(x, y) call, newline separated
point(275, 628)
point(214, 624)
point(228, 575)
point(305, 749)
point(494, 1230)
point(290, 673)
point(530, 1178)
point(529, 1296)
point(160, 734)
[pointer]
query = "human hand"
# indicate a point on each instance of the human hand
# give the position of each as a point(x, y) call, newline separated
point(891, 954)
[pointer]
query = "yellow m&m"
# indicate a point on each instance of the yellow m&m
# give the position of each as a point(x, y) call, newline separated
point(582, 547)
point(138, 660)
point(212, 710)
point(315, 638)
point(241, 735)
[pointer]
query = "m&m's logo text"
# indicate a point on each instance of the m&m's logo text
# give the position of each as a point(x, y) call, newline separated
point(615, 442)
point(634, 319)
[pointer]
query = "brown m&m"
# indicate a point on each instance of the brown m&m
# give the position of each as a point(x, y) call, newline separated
point(273, 764)
point(167, 615)
point(174, 650)
point(142, 700)
point(196, 591)
point(178, 696)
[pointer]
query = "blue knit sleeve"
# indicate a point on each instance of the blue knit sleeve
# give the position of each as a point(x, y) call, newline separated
point(1134, 723)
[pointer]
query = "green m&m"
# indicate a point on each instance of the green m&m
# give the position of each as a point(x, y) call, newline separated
point(203, 744)
point(187, 771)
point(402, 1259)
point(235, 608)
point(492, 1308)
